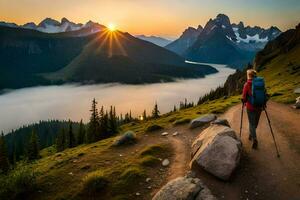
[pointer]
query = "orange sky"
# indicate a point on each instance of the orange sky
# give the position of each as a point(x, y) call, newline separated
point(154, 17)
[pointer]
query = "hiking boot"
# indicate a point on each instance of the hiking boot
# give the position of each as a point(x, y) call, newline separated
point(255, 144)
point(250, 137)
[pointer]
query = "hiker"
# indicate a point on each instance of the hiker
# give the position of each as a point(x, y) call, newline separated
point(255, 104)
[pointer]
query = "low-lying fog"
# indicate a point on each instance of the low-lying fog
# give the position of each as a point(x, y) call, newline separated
point(24, 106)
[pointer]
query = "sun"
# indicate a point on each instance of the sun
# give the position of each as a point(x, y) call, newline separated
point(111, 27)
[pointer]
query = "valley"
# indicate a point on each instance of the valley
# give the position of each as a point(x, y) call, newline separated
point(119, 111)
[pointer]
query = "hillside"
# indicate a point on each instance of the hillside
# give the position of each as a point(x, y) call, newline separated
point(26, 54)
point(279, 63)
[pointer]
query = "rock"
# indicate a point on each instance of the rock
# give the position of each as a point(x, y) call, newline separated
point(165, 162)
point(297, 104)
point(175, 134)
point(297, 91)
point(201, 121)
point(165, 134)
point(138, 194)
point(184, 188)
point(71, 173)
point(127, 138)
point(148, 180)
point(217, 150)
point(223, 122)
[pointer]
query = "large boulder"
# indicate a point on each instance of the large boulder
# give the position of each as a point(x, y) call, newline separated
point(223, 122)
point(217, 150)
point(125, 139)
point(297, 104)
point(184, 188)
point(297, 91)
point(201, 121)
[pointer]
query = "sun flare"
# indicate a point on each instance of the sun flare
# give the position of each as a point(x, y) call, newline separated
point(111, 27)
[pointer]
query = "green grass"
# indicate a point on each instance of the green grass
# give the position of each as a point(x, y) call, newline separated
point(90, 164)
point(149, 161)
point(95, 182)
point(282, 75)
point(168, 120)
point(153, 150)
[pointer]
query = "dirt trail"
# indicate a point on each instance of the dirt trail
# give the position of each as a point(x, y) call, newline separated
point(261, 175)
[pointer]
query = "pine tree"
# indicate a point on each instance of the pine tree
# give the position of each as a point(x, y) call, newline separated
point(144, 115)
point(70, 136)
point(103, 124)
point(81, 134)
point(155, 111)
point(174, 109)
point(33, 146)
point(126, 118)
point(61, 140)
point(4, 161)
point(112, 120)
point(106, 124)
point(130, 116)
point(93, 129)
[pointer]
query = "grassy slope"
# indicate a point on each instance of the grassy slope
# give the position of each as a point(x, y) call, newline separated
point(282, 75)
point(61, 174)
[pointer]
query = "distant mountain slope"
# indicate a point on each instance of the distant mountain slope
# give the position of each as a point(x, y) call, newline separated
point(186, 40)
point(222, 42)
point(25, 54)
point(49, 25)
point(155, 40)
point(126, 59)
point(279, 63)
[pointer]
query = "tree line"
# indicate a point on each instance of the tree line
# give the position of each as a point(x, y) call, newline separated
point(26, 142)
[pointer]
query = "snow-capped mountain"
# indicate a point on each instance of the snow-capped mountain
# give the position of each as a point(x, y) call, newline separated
point(49, 25)
point(159, 41)
point(220, 41)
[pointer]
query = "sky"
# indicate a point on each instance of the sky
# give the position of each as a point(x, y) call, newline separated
point(167, 18)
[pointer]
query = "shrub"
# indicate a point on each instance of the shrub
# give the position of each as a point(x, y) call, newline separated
point(153, 127)
point(181, 121)
point(95, 182)
point(127, 138)
point(128, 179)
point(152, 150)
point(18, 183)
point(172, 119)
point(149, 161)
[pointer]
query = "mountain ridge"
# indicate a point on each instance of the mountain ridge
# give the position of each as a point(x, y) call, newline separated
point(160, 41)
point(243, 41)
point(27, 55)
point(49, 25)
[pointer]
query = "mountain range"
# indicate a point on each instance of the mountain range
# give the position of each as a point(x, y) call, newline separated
point(49, 25)
point(30, 57)
point(221, 41)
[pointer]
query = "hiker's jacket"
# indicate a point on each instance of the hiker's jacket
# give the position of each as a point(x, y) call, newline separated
point(247, 91)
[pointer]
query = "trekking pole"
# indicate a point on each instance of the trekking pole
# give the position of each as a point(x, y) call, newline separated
point(272, 133)
point(241, 126)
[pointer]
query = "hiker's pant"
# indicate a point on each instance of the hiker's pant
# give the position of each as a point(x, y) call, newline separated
point(253, 117)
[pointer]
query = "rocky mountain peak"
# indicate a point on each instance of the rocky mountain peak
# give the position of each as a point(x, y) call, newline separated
point(200, 28)
point(48, 21)
point(223, 19)
point(64, 20)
